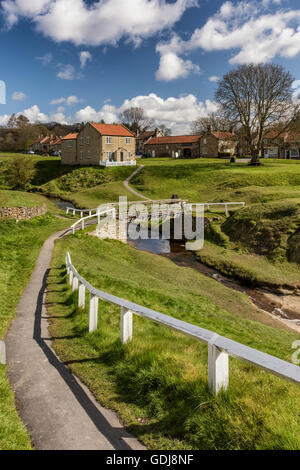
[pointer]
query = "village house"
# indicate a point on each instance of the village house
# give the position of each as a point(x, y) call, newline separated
point(184, 146)
point(283, 145)
point(143, 137)
point(100, 144)
point(219, 144)
point(46, 145)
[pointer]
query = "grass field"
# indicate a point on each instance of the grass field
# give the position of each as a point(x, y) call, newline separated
point(158, 383)
point(19, 248)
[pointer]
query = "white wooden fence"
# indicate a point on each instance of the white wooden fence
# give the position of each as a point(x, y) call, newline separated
point(82, 222)
point(226, 205)
point(219, 347)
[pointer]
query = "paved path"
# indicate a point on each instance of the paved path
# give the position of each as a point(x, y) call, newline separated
point(59, 411)
point(127, 186)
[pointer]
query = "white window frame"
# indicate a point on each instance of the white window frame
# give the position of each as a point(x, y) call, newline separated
point(128, 141)
point(108, 155)
point(81, 155)
point(89, 155)
point(108, 140)
point(88, 140)
point(204, 141)
point(81, 141)
point(128, 155)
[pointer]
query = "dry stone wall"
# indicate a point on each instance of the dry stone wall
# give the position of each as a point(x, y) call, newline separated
point(22, 213)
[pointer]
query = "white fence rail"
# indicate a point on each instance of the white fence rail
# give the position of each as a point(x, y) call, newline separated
point(226, 205)
point(82, 222)
point(219, 347)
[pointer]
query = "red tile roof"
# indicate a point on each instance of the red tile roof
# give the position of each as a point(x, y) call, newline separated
point(112, 130)
point(175, 139)
point(224, 135)
point(274, 134)
point(293, 137)
point(55, 142)
point(70, 136)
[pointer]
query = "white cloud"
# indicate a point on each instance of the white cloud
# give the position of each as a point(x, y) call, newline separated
point(45, 59)
point(251, 29)
point(214, 79)
point(4, 119)
point(175, 113)
point(101, 22)
point(18, 96)
point(172, 67)
point(84, 57)
point(66, 72)
point(71, 100)
point(34, 114)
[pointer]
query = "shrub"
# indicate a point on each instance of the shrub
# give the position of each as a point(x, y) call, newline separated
point(20, 172)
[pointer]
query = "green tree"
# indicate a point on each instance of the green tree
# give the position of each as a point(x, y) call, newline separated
point(20, 172)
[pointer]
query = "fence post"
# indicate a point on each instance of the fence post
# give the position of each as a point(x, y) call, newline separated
point(126, 325)
point(75, 284)
point(218, 369)
point(226, 210)
point(2, 353)
point(81, 296)
point(67, 211)
point(93, 313)
point(82, 225)
point(71, 277)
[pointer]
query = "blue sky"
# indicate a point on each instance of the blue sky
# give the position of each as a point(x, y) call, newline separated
point(76, 60)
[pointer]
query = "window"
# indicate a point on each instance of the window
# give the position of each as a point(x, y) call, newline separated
point(89, 155)
point(81, 140)
point(108, 156)
point(128, 140)
point(108, 140)
point(88, 140)
point(167, 147)
point(204, 141)
point(128, 155)
point(70, 143)
point(81, 156)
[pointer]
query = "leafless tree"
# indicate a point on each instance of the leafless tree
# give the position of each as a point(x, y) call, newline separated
point(214, 121)
point(258, 98)
point(136, 120)
point(164, 130)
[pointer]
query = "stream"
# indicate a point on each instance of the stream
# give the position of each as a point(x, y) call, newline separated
point(285, 307)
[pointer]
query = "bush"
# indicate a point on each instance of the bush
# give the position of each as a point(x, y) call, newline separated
point(20, 172)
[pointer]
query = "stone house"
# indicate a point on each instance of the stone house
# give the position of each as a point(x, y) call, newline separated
point(184, 146)
point(143, 137)
point(69, 149)
point(219, 144)
point(292, 145)
point(100, 144)
point(55, 145)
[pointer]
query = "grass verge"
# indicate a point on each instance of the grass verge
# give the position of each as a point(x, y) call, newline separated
point(20, 245)
point(158, 383)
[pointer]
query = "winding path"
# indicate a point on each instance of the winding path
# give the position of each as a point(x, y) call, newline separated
point(59, 411)
point(127, 186)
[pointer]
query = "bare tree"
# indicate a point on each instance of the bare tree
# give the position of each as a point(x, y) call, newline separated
point(213, 121)
point(164, 130)
point(258, 98)
point(136, 120)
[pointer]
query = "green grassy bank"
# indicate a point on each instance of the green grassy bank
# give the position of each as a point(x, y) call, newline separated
point(158, 383)
point(20, 245)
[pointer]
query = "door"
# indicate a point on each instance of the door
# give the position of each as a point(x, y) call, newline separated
point(187, 153)
point(122, 156)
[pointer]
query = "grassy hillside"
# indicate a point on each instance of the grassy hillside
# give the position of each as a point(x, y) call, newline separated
point(158, 383)
point(19, 248)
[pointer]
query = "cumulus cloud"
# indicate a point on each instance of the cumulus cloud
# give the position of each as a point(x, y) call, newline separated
point(34, 114)
point(84, 57)
point(272, 33)
point(71, 100)
point(66, 72)
point(101, 22)
point(18, 96)
point(172, 67)
point(176, 113)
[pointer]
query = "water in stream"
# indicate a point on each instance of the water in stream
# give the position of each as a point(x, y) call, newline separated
point(264, 300)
